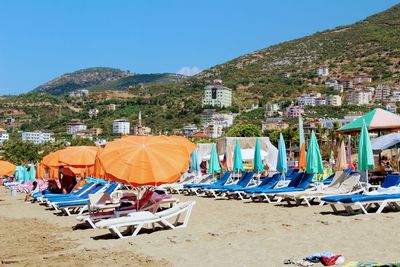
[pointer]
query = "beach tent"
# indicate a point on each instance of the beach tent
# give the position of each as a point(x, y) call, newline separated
point(384, 142)
point(143, 160)
point(377, 120)
point(269, 153)
point(6, 168)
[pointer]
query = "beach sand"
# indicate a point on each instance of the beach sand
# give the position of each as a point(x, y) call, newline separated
point(220, 233)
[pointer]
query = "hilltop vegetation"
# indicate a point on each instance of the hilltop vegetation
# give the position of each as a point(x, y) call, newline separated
point(101, 78)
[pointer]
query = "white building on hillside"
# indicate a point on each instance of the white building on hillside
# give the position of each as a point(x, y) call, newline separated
point(217, 95)
point(3, 136)
point(75, 126)
point(93, 112)
point(37, 137)
point(323, 71)
point(361, 97)
point(334, 100)
point(121, 126)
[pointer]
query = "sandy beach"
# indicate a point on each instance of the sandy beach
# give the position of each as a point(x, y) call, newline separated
point(220, 233)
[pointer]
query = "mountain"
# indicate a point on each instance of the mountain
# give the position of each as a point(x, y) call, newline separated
point(103, 78)
point(371, 45)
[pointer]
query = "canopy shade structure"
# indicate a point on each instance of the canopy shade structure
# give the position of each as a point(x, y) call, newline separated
point(384, 142)
point(6, 168)
point(377, 120)
point(143, 160)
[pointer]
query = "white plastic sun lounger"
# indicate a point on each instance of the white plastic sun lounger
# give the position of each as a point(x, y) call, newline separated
point(141, 218)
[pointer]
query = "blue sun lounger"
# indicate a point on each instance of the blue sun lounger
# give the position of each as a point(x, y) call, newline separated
point(98, 187)
point(299, 183)
point(83, 204)
point(79, 192)
point(365, 201)
point(242, 183)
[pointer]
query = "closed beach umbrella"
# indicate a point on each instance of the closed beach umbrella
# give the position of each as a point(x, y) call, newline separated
point(195, 161)
point(281, 164)
point(32, 172)
point(314, 160)
point(213, 166)
point(258, 164)
point(237, 158)
point(26, 176)
point(6, 168)
point(365, 154)
point(302, 155)
point(143, 160)
point(341, 162)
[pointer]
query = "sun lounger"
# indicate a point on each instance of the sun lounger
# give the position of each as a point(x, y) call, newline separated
point(341, 184)
point(49, 197)
point(386, 195)
point(82, 204)
point(139, 219)
point(215, 191)
point(266, 183)
point(299, 183)
point(198, 188)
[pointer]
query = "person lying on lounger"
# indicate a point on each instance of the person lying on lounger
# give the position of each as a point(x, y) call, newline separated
point(35, 189)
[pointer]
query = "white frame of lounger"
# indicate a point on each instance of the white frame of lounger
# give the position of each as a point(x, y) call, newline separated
point(366, 205)
point(162, 220)
point(308, 199)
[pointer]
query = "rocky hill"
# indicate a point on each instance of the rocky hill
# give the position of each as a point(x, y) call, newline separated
point(103, 78)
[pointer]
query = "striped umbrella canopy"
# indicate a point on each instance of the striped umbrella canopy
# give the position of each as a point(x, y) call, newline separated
point(314, 159)
point(281, 164)
point(237, 158)
point(377, 120)
point(258, 164)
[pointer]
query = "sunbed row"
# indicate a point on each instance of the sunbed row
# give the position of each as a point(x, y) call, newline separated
point(343, 188)
point(104, 205)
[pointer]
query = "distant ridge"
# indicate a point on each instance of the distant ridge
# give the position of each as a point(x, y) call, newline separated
point(99, 78)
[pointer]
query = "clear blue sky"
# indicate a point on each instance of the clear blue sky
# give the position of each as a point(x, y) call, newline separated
point(42, 39)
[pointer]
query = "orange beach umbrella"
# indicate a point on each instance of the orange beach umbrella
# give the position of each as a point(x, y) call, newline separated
point(78, 155)
point(143, 160)
point(6, 168)
point(302, 157)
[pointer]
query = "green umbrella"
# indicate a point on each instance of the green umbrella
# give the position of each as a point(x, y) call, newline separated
point(195, 162)
point(237, 158)
point(281, 164)
point(32, 172)
point(258, 164)
point(365, 154)
point(214, 166)
point(314, 160)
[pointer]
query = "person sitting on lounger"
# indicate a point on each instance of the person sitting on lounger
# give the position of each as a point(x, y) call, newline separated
point(35, 189)
point(52, 188)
